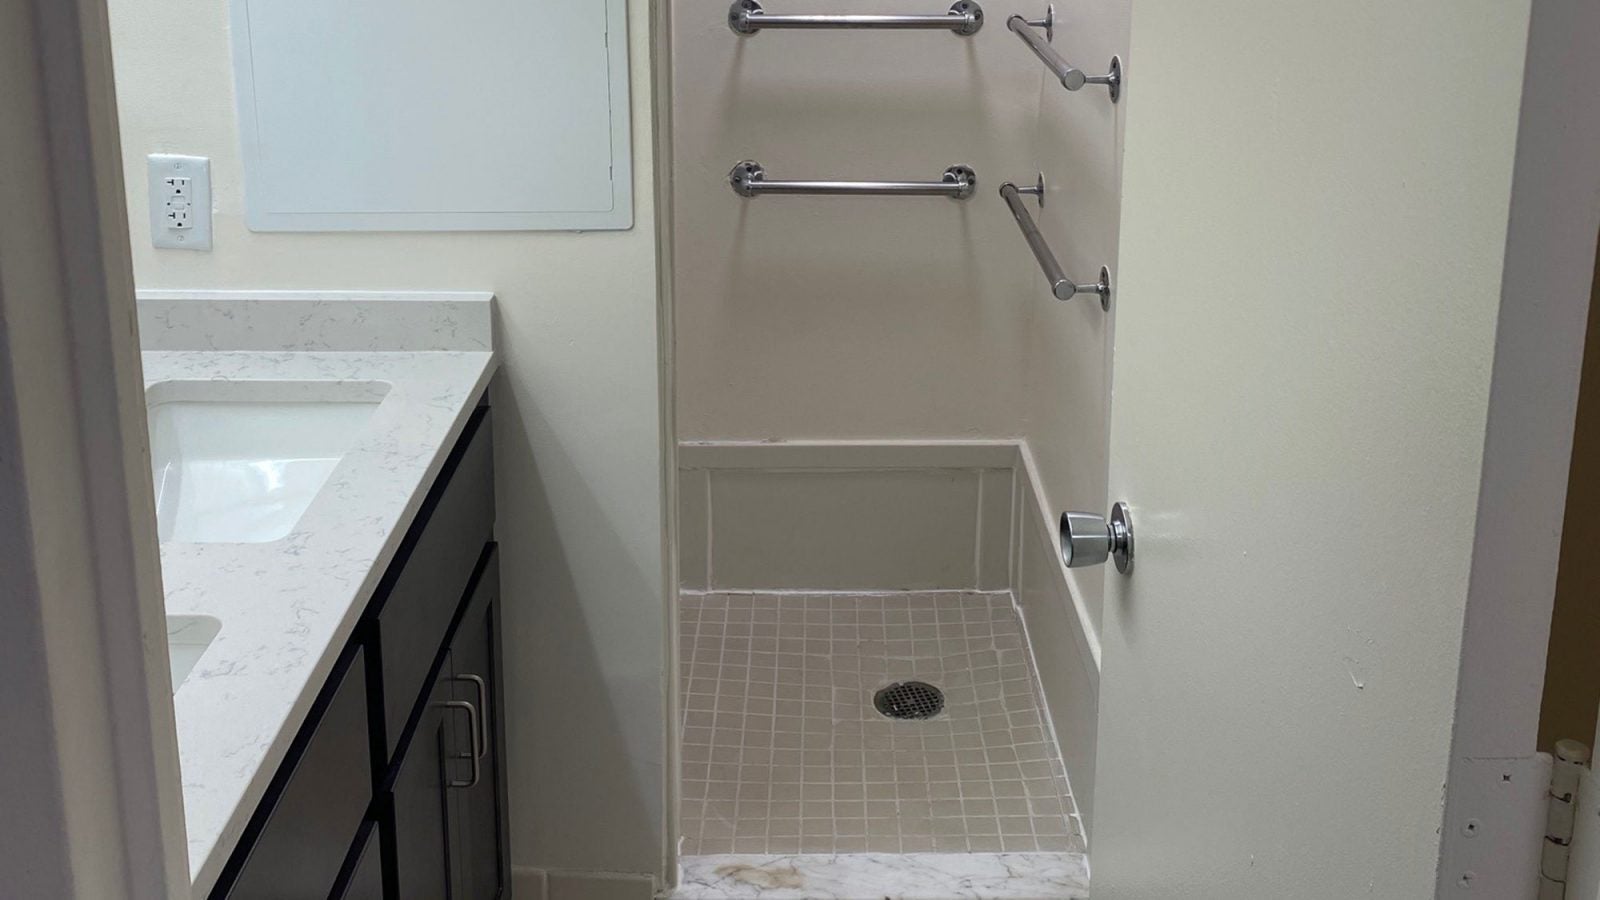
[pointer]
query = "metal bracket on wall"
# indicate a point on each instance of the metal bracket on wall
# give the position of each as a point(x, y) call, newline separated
point(1071, 77)
point(965, 18)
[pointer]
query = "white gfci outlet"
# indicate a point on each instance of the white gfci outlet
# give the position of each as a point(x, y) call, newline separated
point(180, 201)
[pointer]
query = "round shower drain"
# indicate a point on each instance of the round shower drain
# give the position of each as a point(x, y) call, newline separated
point(909, 700)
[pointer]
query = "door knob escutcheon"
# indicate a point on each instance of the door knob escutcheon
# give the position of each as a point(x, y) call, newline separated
point(1089, 540)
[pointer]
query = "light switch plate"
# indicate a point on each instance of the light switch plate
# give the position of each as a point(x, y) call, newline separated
point(180, 201)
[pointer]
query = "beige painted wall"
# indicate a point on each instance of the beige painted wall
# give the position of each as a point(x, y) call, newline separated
point(577, 428)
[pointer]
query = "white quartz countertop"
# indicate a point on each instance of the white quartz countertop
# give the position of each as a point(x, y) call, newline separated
point(289, 606)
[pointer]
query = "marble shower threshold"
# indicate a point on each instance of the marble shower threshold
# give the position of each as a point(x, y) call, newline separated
point(885, 876)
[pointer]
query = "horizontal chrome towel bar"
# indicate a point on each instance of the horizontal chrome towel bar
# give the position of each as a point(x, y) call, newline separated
point(749, 179)
point(1072, 78)
point(1061, 286)
point(748, 17)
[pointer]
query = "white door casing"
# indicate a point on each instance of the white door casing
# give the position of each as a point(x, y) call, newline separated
point(92, 796)
point(1316, 201)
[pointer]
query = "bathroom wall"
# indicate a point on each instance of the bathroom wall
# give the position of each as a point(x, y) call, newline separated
point(848, 317)
point(1067, 354)
point(845, 318)
point(578, 426)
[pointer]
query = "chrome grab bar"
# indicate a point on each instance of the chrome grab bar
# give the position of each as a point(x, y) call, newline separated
point(1061, 286)
point(1071, 77)
point(749, 179)
point(748, 17)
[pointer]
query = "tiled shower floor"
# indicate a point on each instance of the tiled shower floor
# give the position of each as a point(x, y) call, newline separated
point(783, 752)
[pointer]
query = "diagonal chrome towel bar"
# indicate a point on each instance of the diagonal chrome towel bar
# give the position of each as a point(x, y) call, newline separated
point(1072, 78)
point(748, 17)
point(1061, 286)
point(749, 179)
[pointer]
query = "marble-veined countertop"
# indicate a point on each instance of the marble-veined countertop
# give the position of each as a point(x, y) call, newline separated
point(288, 607)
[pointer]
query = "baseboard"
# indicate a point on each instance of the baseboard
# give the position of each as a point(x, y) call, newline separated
point(528, 883)
point(1060, 632)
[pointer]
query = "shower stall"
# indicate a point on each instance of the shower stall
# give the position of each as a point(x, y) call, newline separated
point(893, 323)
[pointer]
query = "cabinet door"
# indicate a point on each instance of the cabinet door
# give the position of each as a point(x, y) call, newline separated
point(421, 823)
point(477, 798)
point(365, 878)
point(297, 840)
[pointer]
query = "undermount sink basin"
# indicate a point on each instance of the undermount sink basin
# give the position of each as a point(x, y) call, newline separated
point(239, 462)
point(187, 640)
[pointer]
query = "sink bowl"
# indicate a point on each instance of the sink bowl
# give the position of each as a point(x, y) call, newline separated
point(239, 462)
point(187, 640)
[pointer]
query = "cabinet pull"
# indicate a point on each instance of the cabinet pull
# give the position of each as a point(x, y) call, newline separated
point(483, 706)
point(474, 723)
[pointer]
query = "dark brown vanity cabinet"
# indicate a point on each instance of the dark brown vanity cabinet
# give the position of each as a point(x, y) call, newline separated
point(394, 788)
point(480, 868)
point(449, 785)
point(297, 841)
point(363, 875)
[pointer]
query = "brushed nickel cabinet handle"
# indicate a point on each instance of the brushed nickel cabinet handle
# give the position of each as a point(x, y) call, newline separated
point(474, 722)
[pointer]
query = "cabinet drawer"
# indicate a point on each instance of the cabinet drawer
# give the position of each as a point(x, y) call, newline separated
point(296, 843)
point(425, 583)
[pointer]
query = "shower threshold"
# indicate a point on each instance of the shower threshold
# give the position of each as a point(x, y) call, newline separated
point(874, 876)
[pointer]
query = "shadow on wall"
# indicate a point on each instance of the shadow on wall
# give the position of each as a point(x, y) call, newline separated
point(568, 741)
point(1572, 670)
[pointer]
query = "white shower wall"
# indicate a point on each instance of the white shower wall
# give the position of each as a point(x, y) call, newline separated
point(1077, 144)
point(844, 317)
point(894, 319)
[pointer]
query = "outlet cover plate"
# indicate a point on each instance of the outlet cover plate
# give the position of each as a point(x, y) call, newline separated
point(197, 204)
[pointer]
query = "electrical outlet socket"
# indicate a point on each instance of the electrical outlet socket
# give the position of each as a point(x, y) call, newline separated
point(180, 201)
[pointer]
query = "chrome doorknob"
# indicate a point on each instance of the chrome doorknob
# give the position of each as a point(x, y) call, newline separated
point(1089, 540)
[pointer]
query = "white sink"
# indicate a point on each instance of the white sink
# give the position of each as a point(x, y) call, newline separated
point(187, 640)
point(239, 462)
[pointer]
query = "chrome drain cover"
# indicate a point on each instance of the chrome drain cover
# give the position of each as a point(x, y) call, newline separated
point(909, 700)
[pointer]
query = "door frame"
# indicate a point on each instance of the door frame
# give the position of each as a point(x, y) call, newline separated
point(661, 99)
point(99, 809)
point(1545, 288)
